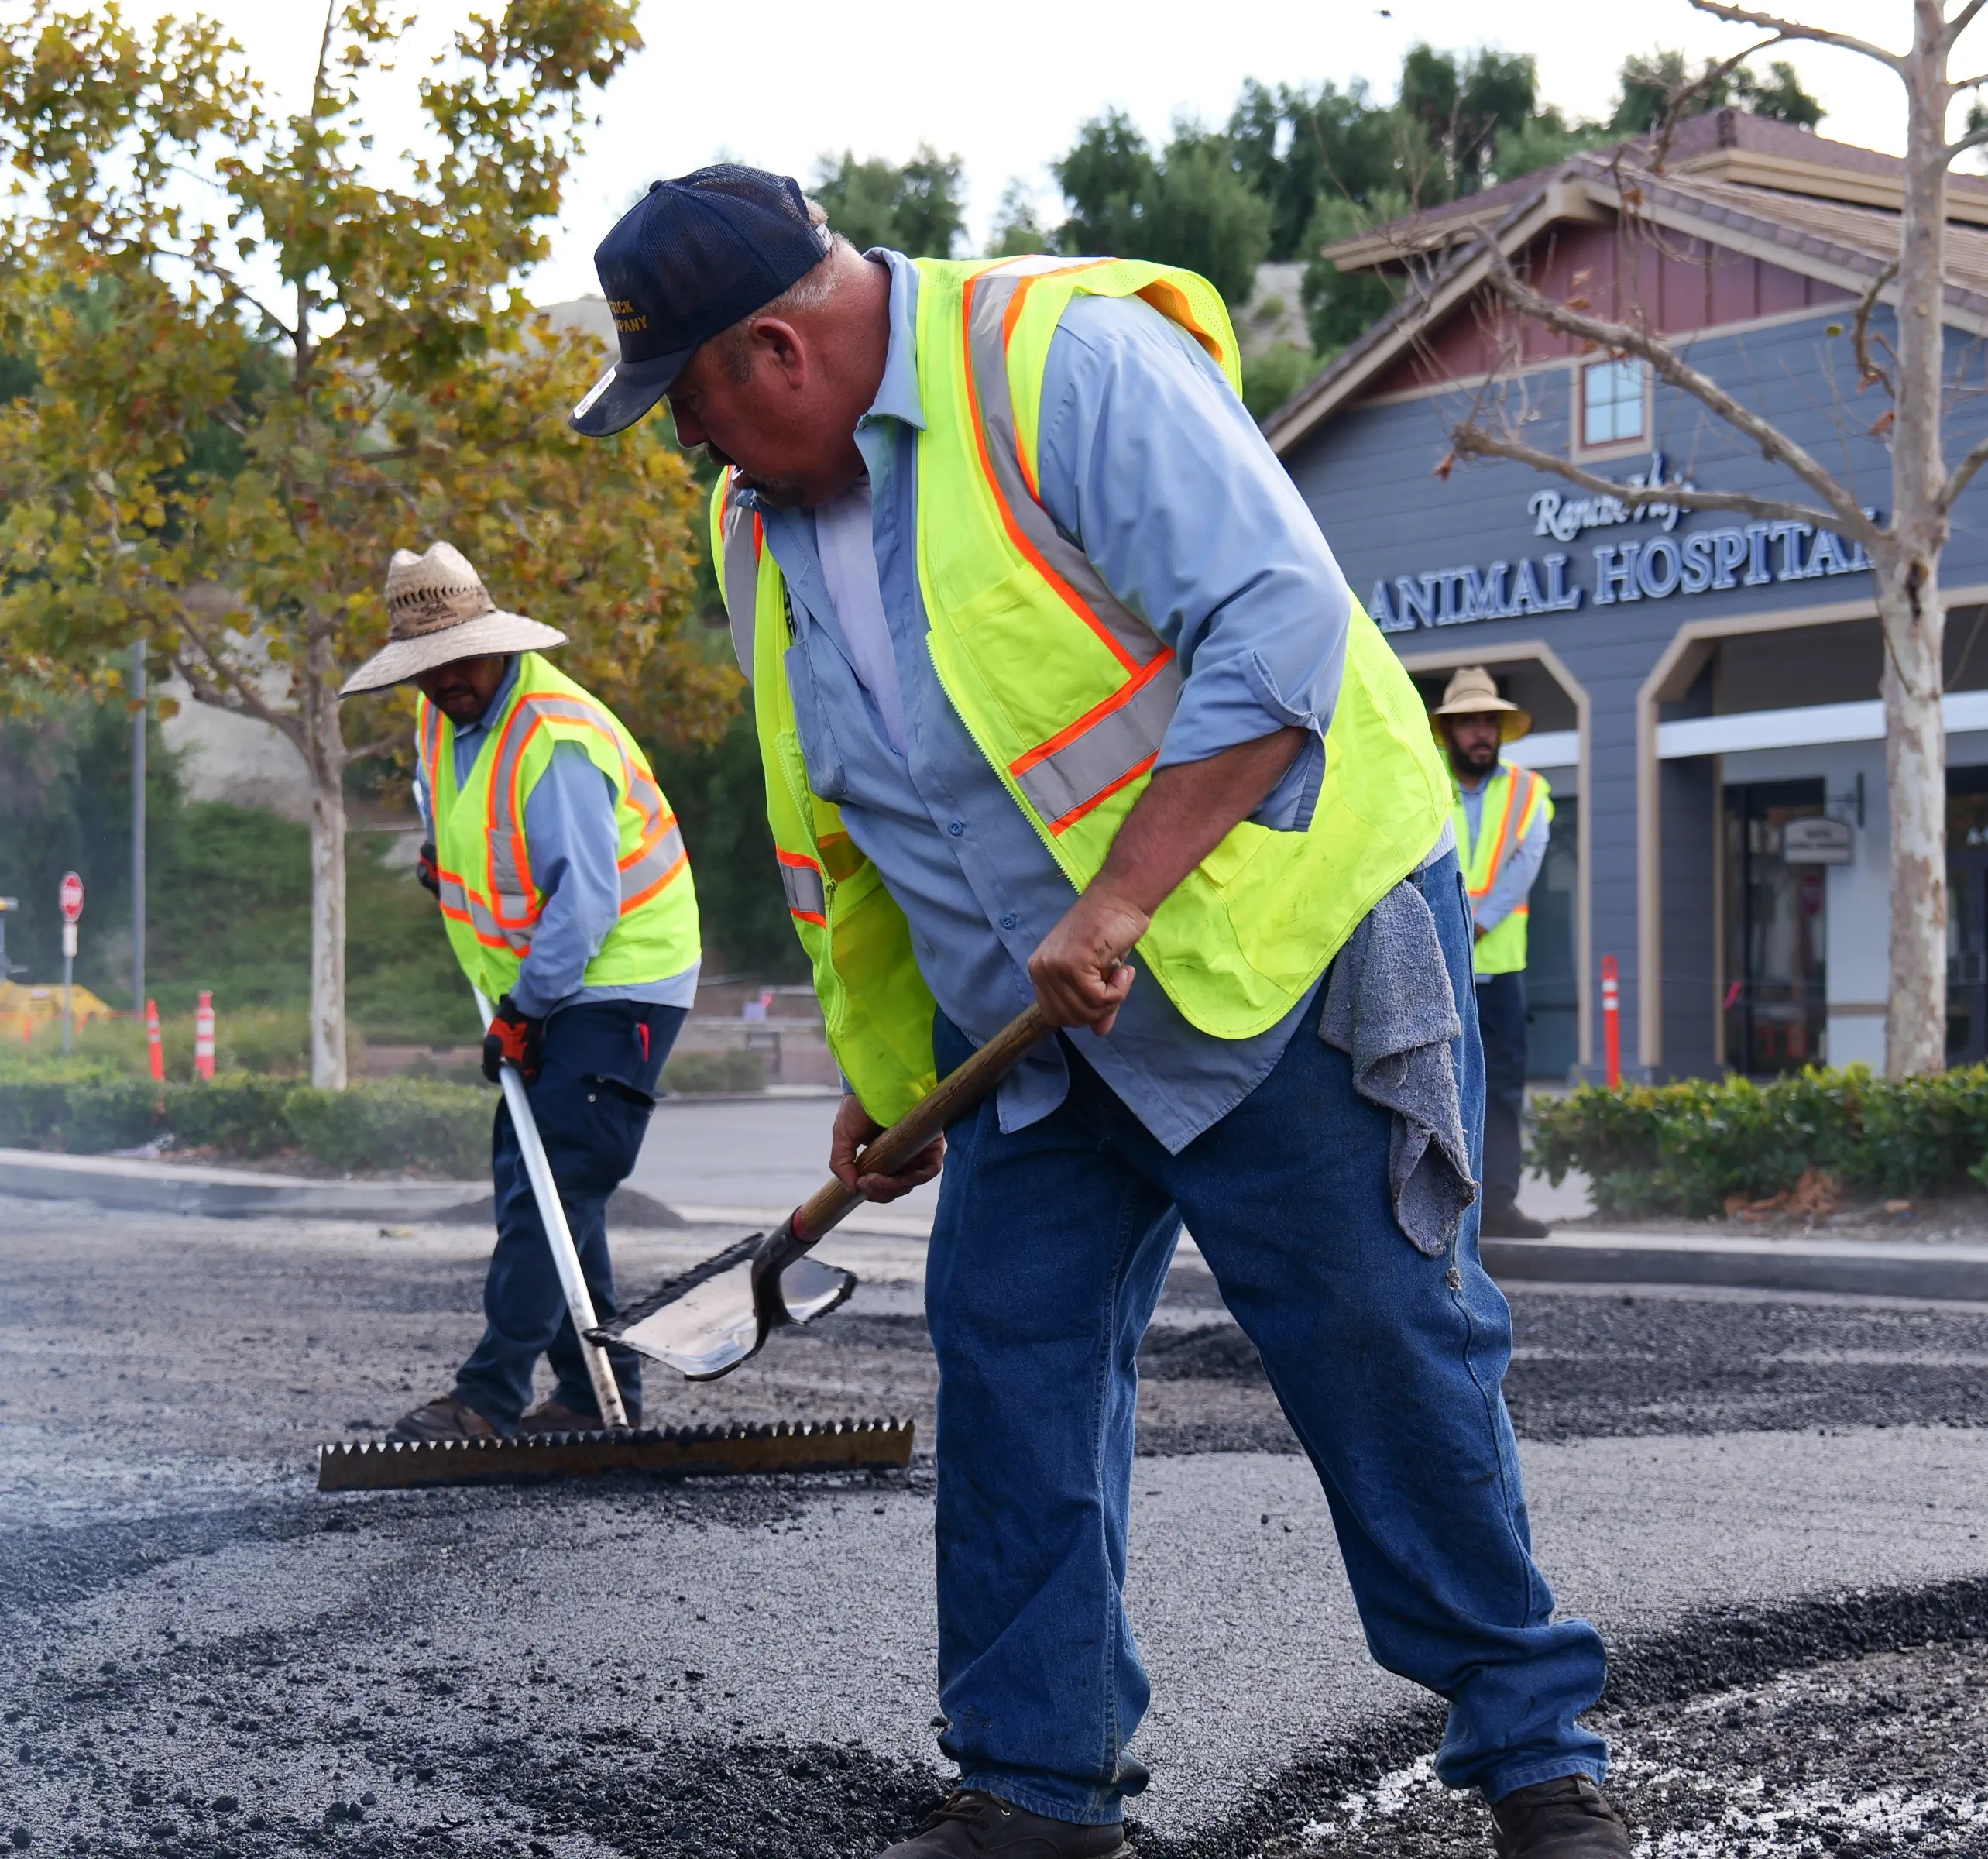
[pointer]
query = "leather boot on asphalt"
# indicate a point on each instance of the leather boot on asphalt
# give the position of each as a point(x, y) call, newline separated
point(975, 1825)
point(1566, 1819)
point(444, 1418)
point(1506, 1222)
point(551, 1416)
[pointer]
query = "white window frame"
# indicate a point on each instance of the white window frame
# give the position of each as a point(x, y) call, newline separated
point(1578, 447)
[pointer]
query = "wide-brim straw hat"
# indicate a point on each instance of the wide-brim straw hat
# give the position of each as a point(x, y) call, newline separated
point(1471, 692)
point(438, 610)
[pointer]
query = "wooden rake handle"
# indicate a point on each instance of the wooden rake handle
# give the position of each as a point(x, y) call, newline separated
point(956, 1094)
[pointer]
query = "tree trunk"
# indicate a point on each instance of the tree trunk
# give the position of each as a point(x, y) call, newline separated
point(326, 758)
point(1915, 762)
point(1908, 580)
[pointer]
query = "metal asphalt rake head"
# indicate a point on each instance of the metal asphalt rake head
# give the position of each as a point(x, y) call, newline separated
point(707, 1322)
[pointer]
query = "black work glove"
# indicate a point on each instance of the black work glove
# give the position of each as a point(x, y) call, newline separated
point(515, 1036)
point(427, 875)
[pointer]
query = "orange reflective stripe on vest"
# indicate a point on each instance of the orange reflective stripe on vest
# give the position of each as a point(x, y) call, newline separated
point(1116, 741)
point(1521, 805)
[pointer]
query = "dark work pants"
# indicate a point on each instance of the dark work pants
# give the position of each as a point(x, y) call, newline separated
point(592, 1098)
point(1048, 1255)
point(1501, 1019)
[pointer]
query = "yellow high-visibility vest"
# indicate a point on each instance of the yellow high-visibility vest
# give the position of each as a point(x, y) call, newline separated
point(1067, 695)
point(1512, 798)
point(490, 901)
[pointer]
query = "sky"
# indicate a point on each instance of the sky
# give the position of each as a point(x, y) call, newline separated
point(780, 83)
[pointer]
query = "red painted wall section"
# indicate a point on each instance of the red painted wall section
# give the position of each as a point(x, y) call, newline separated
point(1678, 284)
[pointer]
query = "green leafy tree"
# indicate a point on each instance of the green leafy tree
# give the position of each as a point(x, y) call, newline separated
point(1457, 108)
point(1018, 229)
point(1656, 84)
point(1295, 147)
point(1193, 207)
point(914, 208)
point(259, 365)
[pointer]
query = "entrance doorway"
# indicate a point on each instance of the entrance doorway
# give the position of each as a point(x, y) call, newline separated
point(1967, 916)
point(1776, 993)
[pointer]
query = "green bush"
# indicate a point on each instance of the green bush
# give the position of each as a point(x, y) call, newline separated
point(86, 1109)
point(1683, 1148)
point(715, 1071)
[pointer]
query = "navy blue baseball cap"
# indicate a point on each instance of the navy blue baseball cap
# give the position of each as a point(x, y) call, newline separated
point(686, 261)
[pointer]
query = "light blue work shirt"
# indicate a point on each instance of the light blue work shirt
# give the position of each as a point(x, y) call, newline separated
point(1149, 463)
point(1522, 864)
point(575, 846)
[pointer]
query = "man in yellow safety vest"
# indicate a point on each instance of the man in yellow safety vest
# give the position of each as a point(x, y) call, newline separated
point(1061, 695)
point(1503, 815)
point(566, 895)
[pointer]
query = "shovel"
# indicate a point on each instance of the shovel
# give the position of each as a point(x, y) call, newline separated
point(707, 1321)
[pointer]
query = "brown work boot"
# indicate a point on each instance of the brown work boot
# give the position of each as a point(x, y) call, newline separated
point(444, 1418)
point(975, 1825)
point(1569, 1818)
point(554, 1416)
point(1505, 1222)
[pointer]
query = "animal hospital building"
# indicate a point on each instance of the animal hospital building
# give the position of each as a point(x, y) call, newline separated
point(1704, 686)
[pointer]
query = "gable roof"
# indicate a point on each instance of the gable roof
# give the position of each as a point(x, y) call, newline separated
point(1824, 209)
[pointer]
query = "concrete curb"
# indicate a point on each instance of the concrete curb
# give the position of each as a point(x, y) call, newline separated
point(166, 1188)
point(1861, 1268)
point(1956, 1272)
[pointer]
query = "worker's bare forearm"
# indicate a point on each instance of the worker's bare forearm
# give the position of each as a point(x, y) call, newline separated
point(1186, 811)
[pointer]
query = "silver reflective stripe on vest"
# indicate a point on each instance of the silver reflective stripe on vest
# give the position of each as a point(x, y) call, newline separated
point(741, 579)
point(512, 902)
point(1119, 745)
point(987, 355)
point(1125, 735)
point(650, 868)
point(805, 894)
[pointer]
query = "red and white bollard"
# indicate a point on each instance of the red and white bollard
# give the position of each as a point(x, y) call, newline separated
point(1612, 1020)
point(155, 1050)
point(203, 1037)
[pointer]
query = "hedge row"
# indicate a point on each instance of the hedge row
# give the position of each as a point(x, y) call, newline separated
point(1683, 1148)
point(389, 1123)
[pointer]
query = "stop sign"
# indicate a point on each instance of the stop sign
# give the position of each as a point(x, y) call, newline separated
point(71, 896)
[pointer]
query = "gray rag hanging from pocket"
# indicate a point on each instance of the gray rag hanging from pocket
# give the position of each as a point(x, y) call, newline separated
point(1390, 1009)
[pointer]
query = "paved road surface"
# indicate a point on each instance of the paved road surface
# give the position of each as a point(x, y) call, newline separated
point(204, 1657)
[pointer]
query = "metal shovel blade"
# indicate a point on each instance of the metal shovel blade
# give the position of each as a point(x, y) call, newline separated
point(705, 1323)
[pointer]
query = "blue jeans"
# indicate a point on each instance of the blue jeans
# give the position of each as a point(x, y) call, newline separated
point(591, 1099)
point(1048, 1256)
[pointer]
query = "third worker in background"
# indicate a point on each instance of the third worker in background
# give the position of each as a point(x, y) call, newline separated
point(1503, 815)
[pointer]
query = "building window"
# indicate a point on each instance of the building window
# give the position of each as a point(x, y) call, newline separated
point(1612, 404)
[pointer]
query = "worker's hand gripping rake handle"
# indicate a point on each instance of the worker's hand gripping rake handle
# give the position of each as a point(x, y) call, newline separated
point(707, 1322)
point(559, 1236)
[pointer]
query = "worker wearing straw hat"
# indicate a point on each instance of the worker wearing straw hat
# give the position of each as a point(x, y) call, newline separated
point(567, 894)
point(1502, 817)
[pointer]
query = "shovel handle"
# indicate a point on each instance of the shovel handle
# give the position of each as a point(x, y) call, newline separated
point(956, 1094)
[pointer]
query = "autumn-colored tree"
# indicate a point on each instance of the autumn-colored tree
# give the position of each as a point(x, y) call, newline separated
point(262, 356)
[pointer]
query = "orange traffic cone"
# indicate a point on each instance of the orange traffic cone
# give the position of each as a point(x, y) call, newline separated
point(154, 1050)
point(203, 1037)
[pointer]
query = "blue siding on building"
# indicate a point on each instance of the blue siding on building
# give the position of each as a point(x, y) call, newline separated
point(1370, 477)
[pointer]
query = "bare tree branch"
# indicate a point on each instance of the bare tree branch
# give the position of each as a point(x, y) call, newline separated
point(1867, 369)
point(224, 687)
point(1972, 139)
point(1471, 440)
point(1959, 23)
point(1673, 106)
point(1793, 28)
point(1969, 83)
point(383, 745)
point(1961, 477)
point(1775, 446)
